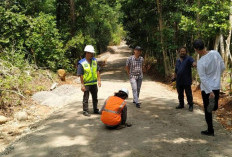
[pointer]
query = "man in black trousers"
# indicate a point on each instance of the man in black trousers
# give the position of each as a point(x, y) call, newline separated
point(183, 77)
point(210, 68)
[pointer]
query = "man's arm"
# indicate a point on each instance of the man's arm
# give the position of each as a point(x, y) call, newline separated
point(143, 66)
point(204, 79)
point(80, 73)
point(82, 83)
point(193, 63)
point(222, 65)
point(128, 70)
point(128, 66)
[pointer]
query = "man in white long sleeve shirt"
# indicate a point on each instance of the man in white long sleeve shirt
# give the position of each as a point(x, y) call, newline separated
point(209, 67)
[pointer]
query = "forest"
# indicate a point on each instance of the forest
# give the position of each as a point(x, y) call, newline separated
point(50, 34)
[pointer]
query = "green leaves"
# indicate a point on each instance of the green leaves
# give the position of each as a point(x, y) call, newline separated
point(44, 41)
point(12, 30)
point(208, 19)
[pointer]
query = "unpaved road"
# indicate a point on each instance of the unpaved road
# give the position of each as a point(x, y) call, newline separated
point(159, 130)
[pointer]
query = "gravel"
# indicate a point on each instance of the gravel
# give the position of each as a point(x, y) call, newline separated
point(59, 97)
point(66, 90)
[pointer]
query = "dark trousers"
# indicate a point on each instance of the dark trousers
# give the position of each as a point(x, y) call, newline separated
point(208, 115)
point(124, 115)
point(188, 92)
point(93, 90)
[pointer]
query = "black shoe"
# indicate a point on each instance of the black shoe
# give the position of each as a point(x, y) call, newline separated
point(128, 124)
point(120, 127)
point(191, 108)
point(179, 107)
point(206, 132)
point(85, 113)
point(138, 105)
point(134, 102)
point(96, 111)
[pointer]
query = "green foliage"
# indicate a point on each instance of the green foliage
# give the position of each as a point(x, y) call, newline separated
point(117, 35)
point(13, 29)
point(34, 7)
point(74, 47)
point(35, 38)
point(182, 21)
point(102, 23)
point(40, 88)
point(142, 27)
point(13, 78)
point(35, 32)
point(212, 18)
point(34, 29)
point(44, 42)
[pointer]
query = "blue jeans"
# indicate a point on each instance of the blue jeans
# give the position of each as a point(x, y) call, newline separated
point(136, 86)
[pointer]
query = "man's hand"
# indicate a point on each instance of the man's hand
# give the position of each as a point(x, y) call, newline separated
point(211, 95)
point(83, 88)
point(99, 83)
point(194, 64)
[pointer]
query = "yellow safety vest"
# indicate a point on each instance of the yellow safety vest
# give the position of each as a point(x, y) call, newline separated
point(90, 72)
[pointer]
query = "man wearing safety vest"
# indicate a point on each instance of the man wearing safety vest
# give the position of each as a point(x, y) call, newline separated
point(88, 70)
point(114, 110)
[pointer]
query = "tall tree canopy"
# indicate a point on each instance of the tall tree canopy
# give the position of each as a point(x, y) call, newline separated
point(161, 26)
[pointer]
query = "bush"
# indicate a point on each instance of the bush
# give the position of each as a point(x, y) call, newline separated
point(44, 42)
point(13, 30)
point(74, 48)
point(13, 76)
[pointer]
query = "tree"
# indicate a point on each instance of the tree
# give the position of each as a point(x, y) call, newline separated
point(166, 64)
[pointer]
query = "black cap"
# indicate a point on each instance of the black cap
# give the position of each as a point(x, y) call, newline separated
point(138, 48)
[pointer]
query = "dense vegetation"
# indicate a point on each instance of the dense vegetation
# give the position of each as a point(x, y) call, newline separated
point(162, 26)
point(49, 34)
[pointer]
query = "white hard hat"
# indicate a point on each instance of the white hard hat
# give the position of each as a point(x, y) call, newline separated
point(89, 48)
point(125, 91)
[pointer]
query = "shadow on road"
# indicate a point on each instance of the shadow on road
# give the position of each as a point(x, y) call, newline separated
point(74, 135)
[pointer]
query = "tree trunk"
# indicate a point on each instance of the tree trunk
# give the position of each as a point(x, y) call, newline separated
point(198, 17)
point(228, 54)
point(222, 46)
point(165, 59)
point(216, 44)
point(72, 16)
point(228, 41)
point(58, 13)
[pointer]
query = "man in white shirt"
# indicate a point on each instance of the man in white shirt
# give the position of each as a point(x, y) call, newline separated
point(209, 67)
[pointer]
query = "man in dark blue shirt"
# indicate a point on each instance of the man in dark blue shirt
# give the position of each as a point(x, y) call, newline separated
point(183, 77)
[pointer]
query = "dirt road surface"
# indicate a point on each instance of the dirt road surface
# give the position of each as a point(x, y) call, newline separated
point(159, 130)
